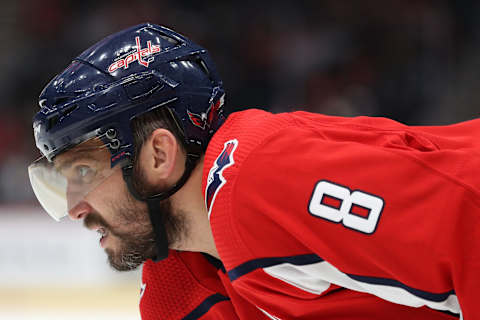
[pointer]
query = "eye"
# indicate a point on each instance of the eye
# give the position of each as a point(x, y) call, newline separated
point(84, 174)
point(83, 171)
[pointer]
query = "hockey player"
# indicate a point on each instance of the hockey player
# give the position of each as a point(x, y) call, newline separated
point(311, 216)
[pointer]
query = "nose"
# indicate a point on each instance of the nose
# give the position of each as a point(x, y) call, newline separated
point(80, 211)
point(77, 207)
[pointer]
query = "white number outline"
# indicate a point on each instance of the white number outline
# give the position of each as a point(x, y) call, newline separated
point(348, 198)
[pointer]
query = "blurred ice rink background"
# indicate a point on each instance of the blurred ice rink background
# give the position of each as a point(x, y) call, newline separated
point(51, 270)
point(416, 61)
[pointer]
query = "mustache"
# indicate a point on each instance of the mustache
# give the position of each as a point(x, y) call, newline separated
point(95, 219)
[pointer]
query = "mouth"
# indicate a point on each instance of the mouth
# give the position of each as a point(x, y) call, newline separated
point(103, 235)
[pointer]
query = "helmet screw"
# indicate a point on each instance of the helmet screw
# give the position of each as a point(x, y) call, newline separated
point(111, 133)
point(115, 144)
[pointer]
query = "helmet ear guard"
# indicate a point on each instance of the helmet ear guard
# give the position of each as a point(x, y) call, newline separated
point(128, 74)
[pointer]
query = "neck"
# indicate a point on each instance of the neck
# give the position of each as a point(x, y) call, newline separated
point(190, 201)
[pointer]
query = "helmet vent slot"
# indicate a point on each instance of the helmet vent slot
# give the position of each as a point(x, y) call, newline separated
point(69, 110)
point(61, 100)
point(142, 88)
point(174, 42)
point(169, 39)
point(52, 121)
point(197, 61)
point(200, 64)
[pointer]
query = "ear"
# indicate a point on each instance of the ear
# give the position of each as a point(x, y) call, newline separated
point(159, 155)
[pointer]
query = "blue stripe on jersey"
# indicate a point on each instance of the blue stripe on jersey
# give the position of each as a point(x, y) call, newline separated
point(306, 259)
point(456, 315)
point(252, 265)
point(435, 297)
point(215, 262)
point(205, 306)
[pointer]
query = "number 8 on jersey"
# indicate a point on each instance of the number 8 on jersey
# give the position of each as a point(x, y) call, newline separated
point(357, 210)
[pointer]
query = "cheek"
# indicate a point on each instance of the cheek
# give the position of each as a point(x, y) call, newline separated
point(118, 207)
point(108, 195)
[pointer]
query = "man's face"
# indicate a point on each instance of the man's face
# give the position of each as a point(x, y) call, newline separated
point(108, 208)
point(122, 221)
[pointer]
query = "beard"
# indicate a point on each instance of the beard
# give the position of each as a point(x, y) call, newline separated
point(133, 227)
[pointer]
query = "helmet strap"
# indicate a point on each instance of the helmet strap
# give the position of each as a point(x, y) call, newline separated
point(158, 225)
point(153, 203)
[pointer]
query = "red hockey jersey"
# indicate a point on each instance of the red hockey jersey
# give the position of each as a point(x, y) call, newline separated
point(187, 286)
point(306, 208)
point(171, 291)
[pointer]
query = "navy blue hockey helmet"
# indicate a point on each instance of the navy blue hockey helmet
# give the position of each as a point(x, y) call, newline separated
point(125, 75)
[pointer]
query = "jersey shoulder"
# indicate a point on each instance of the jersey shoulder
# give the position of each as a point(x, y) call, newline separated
point(242, 132)
point(250, 142)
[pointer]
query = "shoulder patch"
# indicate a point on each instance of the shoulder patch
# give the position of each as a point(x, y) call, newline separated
point(215, 179)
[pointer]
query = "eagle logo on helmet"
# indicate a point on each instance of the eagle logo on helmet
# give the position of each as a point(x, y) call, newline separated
point(205, 119)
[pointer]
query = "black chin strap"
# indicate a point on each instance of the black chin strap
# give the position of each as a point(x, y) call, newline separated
point(153, 203)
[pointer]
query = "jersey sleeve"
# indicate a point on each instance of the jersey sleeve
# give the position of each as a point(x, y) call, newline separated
point(183, 286)
point(390, 212)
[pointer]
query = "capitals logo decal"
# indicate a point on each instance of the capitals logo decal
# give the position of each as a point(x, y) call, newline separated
point(215, 180)
point(136, 55)
point(205, 119)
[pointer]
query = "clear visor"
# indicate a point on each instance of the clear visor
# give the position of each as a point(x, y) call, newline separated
point(66, 181)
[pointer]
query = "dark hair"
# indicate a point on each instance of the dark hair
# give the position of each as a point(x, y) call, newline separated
point(143, 126)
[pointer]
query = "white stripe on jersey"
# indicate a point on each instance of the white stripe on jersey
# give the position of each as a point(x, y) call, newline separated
point(268, 314)
point(316, 277)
